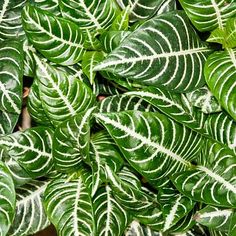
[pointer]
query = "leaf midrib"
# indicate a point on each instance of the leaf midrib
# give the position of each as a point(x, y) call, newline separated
point(4, 9)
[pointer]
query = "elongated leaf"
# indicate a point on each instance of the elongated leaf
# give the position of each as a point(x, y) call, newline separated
point(206, 15)
point(214, 183)
point(92, 15)
point(29, 63)
point(30, 216)
point(166, 152)
point(62, 96)
point(220, 71)
point(174, 60)
point(11, 72)
point(10, 19)
point(69, 207)
point(204, 99)
point(121, 22)
point(8, 122)
point(7, 200)
point(215, 218)
point(31, 149)
point(173, 105)
point(232, 229)
point(218, 233)
point(110, 217)
point(60, 41)
point(51, 6)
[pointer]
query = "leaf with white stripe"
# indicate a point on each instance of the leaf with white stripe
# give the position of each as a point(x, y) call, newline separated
point(10, 19)
point(214, 218)
point(167, 151)
point(110, 217)
point(218, 233)
point(30, 216)
point(59, 40)
point(104, 87)
point(31, 149)
point(69, 206)
point(62, 96)
point(91, 15)
point(51, 6)
point(8, 122)
point(220, 72)
point(29, 63)
point(7, 200)
point(207, 15)
point(215, 182)
point(232, 228)
point(11, 73)
point(121, 22)
point(204, 99)
point(163, 51)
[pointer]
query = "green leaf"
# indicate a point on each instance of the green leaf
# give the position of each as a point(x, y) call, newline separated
point(69, 206)
point(59, 40)
point(7, 200)
point(215, 218)
point(62, 96)
point(29, 63)
point(174, 61)
point(213, 183)
point(217, 233)
point(91, 15)
point(207, 15)
point(110, 217)
point(8, 122)
point(31, 149)
point(30, 216)
point(166, 152)
point(11, 72)
point(204, 99)
point(232, 229)
point(51, 6)
point(220, 71)
point(121, 22)
point(10, 19)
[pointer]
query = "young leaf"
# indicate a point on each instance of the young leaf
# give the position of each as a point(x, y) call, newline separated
point(59, 40)
point(175, 60)
point(220, 71)
point(121, 22)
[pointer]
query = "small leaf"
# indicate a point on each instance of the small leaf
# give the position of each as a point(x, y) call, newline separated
point(121, 22)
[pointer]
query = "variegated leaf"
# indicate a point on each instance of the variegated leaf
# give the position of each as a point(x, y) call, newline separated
point(69, 206)
point(166, 152)
point(8, 122)
point(10, 19)
point(175, 60)
point(30, 216)
point(51, 6)
point(121, 22)
point(232, 228)
point(220, 72)
point(104, 87)
point(31, 149)
point(207, 15)
point(7, 200)
point(60, 41)
point(11, 72)
point(62, 96)
point(29, 63)
point(217, 233)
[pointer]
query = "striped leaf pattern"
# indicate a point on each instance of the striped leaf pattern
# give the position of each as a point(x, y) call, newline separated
point(8, 122)
point(31, 149)
point(62, 96)
point(30, 216)
point(214, 183)
point(69, 207)
point(110, 217)
point(51, 6)
point(10, 19)
point(29, 63)
point(11, 72)
point(166, 152)
point(232, 229)
point(7, 200)
point(174, 61)
point(207, 15)
point(60, 41)
point(91, 15)
point(220, 71)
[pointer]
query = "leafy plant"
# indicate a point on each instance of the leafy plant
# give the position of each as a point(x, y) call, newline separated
point(132, 126)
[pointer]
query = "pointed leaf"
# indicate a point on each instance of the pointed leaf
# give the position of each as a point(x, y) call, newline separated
point(121, 22)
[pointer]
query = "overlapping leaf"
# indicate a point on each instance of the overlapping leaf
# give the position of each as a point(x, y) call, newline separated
point(51, 6)
point(158, 54)
point(8, 122)
point(60, 41)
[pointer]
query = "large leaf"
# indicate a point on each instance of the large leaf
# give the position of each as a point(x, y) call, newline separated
point(214, 182)
point(163, 51)
point(51, 6)
point(31, 149)
point(206, 15)
point(7, 200)
point(10, 19)
point(69, 206)
point(167, 151)
point(62, 95)
point(11, 72)
point(30, 216)
point(8, 122)
point(57, 39)
point(92, 15)
point(220, 72)
point(110, 217)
